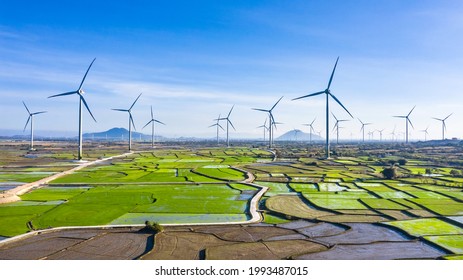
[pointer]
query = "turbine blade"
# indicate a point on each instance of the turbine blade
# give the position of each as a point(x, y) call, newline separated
point(339, 102)
point(272, 119)
point(26, 108)
point(37, 113)
point(445, 127)
point(63, 94)
point(231, 124)
point(220, 126)
point(85, 76)
point(212, 125)
point(134, 102)
point(400, 117)
point(313, 121)
point(411, 110)
point(86, 106)
point(262, 110)
point(27, 123)
point(159, 122)
point(152, 117)
point(147, 124)
point(131, 120)
point(360, 121)
point(334, 116)
point(121, 110)
point(448, 116)
point(410, 122)
point(229, 113)
point(332, 73)
point(309, 95)
point(276, 104)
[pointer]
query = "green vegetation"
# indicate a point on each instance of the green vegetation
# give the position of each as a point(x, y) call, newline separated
point(423, 227)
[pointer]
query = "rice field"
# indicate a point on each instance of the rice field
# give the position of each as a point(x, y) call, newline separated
point(176, 186)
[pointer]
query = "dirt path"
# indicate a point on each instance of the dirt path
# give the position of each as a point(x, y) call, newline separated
point(13, 194)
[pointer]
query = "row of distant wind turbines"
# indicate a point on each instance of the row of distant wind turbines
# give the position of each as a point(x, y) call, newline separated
point(272, 124)
point(80, 93)
point(270, 128)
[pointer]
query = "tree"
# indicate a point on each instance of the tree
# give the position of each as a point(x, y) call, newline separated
point(402, 161)
point(390, 172)
point(455, 172)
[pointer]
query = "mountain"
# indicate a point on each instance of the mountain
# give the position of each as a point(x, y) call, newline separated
point(297, 135)
point(118, 133)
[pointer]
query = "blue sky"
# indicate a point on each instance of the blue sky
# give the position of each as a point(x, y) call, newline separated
point(194, 59)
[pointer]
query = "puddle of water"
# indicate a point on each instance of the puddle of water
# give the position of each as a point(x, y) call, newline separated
point(246, 195)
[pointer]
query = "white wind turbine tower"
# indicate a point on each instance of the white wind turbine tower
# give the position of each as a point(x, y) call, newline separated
point(444, 127)
point(311, 129)
point(328, 93)
point(271, 122)
point(152, 121)
point(336, 127)
point(228, 123)
point(80, 93)
point(362, 129)
point(425, 133)
point(31, 118)
point(407, 120)
point(130, 120)
point(217, 124)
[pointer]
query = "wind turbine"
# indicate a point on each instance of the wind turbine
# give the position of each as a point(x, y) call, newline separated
point(380, 134)
point(425, 132)
point(228, 123)
point(444, 127)
point(152, 121)
point(130, 120)
point(265, 127)
point(80, 93)
point(336, 126)
point(393, 134)
point(311, 129)
point(217, 124)
point(31, 118)
point(271, 123)
point(407, 120)
point(328, 93)
point(362, 129)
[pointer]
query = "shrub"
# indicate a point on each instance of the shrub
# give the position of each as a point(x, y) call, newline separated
point(389, 172)
point(455, 172)
point(402, 161)
point(153, 227)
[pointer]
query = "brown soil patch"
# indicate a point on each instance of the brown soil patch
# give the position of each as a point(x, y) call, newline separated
point(245, 234)
point(353, 219)
point(294, 206)
point(272, 250)
point(81, 244)
point(182, 245)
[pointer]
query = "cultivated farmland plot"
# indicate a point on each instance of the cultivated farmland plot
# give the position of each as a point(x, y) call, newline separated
point(332, 200)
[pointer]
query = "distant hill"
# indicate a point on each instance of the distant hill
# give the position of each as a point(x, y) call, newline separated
point(118, 133)
point(297, 135)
